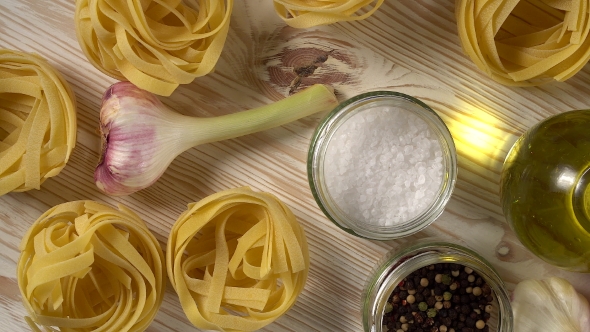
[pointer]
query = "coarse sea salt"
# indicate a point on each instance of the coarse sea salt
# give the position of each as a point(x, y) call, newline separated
point(383, 166)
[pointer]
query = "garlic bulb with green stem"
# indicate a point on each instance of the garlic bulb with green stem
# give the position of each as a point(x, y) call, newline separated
point(141, 136)
point(550, 305)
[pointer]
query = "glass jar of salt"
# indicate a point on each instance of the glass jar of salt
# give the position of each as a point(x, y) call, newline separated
point(382, 165)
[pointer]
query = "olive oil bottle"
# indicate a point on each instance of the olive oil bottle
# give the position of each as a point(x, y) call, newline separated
point(545, 190)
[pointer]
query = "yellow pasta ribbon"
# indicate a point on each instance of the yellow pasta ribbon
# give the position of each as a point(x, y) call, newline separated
point(238, 260)
point(310, 13)
point(85, 266)
point(528, 42)
point(154, 44)
point(37, 121)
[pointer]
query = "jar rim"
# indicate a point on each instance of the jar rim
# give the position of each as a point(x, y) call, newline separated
point(398, 264)
point(319, 145)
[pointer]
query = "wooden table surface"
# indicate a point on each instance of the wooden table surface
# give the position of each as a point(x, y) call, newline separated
point(410, 46)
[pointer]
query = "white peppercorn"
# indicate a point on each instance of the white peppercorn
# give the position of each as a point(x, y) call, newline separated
point(476, 291)
point(424, 282)
point(468, 270)
point(480, 324)
point(411, 299)
point(438, 278)
point(471, 278)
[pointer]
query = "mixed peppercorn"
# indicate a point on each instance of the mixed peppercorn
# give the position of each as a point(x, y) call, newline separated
point(442, 297)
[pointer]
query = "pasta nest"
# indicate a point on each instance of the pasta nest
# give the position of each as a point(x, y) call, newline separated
point(237, 259)
point(85, 266)
point(37, 121)
point(310, 13)
point(155, 45)
point(527, 42)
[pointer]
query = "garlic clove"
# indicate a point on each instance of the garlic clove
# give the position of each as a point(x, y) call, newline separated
point(550, 305)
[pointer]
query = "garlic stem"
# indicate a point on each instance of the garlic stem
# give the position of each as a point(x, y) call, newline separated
point(141, 136)
point(312, 100)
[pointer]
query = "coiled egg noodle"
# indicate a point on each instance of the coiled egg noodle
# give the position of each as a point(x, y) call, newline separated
point(238, 260)
point(85, 266)
point(154, 44)
point(310, 13)
point(37, 121)
point(526, 42)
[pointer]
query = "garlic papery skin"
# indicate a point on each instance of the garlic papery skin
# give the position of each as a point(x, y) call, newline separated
point(141, 136)
point(550, 305)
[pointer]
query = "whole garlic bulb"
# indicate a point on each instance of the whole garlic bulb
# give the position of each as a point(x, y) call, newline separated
point(550, 305)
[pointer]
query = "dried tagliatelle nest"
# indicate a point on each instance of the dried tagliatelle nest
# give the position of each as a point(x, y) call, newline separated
point(310, 13)
point(238, 260)
point(527, 42)
point(37, 121)
point(155, 45)
point(85, 266)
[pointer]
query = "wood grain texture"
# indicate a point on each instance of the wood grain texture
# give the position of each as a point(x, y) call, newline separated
point(410, 46)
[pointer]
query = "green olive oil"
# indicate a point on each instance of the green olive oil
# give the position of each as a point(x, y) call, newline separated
point(545, 190)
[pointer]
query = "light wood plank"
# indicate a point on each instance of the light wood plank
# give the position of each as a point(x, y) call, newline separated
point(410, 46)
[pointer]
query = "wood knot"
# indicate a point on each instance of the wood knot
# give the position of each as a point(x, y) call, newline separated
point(298, 59)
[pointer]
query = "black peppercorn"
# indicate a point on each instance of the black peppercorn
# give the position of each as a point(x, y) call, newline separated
point(447, 321)
point(465, 309)
point(464, 283)
point(418, 319)
point(486, 290)
point(430, 301)
point(464, 299)
point(452, 313)
point(420, 298)
point(403, 295)
point(479, 281)
point(470, 322)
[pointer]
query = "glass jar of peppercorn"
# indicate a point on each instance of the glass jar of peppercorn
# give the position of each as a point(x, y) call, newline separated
point(435, 286)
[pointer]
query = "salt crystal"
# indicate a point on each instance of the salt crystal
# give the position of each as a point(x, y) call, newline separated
point(383, 166)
